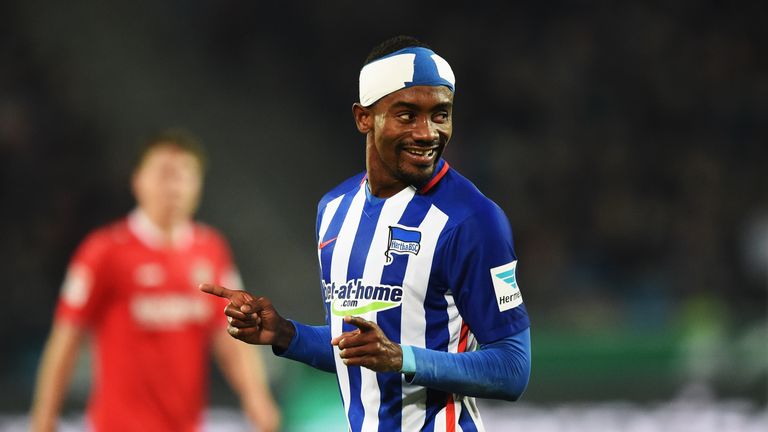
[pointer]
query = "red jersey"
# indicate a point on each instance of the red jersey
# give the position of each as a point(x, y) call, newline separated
point(150, 324)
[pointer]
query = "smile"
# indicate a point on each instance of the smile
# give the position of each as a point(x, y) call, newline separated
point(422, 152)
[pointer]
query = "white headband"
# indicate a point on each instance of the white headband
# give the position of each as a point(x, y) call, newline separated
point(405, 68)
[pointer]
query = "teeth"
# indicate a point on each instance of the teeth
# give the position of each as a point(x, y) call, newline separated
point(429, 152)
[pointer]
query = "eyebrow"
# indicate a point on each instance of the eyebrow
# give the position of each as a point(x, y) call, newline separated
point(415, 107)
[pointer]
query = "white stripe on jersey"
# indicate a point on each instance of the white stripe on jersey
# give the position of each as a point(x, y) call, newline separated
point(330, 211)
point(339, 264)
point(454, 332)
point(470, 404)
point(391, 212)
point(440, 421)
point(457, 413)
point(414, 334)
point(454, 324)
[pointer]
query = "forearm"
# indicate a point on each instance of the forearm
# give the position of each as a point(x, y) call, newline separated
point(54, 374)
point(499, 370)
point(311, 345)
point(242, 366)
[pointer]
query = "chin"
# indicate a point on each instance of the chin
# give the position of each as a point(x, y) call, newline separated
point(417, 175)
point(177, 215)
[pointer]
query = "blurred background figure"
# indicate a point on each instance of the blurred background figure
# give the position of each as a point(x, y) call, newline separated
point(132, 285)
point(626, 143)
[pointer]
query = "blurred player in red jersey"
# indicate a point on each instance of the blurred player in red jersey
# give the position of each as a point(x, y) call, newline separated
point(133, 286)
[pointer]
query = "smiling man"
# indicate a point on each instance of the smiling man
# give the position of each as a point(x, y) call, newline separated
point(423, 311)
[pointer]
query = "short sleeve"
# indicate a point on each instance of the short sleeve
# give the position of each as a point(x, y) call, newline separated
point(480, 271)
point(85, 291)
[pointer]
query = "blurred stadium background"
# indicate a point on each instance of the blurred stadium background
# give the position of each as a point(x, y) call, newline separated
point(626, 142)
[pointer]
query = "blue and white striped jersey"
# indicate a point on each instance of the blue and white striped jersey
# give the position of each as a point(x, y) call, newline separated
point(434, 268)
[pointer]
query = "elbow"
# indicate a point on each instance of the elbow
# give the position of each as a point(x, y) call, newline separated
point(514, 390)
point(513, 361)
point(509, 387)
point(515, 393)
point(515, 385)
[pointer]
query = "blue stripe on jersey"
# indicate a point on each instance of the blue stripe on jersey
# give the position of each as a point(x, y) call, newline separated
point(436, 311)
point(363, 237)
point(357, 259)
point(435, 401)
point(465, 420)
point(390, 385)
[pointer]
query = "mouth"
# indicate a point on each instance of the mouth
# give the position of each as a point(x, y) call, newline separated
point(421, 155)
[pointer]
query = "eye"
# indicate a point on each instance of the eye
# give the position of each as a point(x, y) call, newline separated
point(406, 115)
point(441, 117)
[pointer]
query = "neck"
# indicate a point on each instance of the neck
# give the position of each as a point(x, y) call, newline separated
point(381, 183)
point(164, 225)
point(167, 230)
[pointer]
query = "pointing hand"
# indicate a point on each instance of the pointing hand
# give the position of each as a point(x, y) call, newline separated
point(253, 319)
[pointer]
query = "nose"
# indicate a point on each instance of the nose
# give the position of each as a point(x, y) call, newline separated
point(425, 130)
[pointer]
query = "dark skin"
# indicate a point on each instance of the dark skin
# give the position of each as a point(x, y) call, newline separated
point(406, 133)
point(255, 320)
point(412, 120)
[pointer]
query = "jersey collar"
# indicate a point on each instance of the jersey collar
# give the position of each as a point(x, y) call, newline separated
point(152, 236)
point(441, 169)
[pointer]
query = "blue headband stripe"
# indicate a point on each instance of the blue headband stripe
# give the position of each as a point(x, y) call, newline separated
point(405, 68)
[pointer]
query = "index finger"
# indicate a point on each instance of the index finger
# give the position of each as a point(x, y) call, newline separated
point(218, 291)
point(339, 338)
point(360, 323)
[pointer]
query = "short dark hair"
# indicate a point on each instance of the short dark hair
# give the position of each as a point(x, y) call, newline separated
point(175, 137)
point(393, 44)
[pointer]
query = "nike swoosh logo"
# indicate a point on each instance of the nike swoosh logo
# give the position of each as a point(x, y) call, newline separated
point(327, 242)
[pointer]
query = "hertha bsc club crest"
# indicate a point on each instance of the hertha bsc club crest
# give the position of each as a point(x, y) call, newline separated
point(402, 241)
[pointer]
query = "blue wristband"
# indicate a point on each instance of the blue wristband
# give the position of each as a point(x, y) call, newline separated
point(409, 360)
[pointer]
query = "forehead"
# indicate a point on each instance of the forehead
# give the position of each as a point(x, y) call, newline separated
point(422, 97)
point(164, 153)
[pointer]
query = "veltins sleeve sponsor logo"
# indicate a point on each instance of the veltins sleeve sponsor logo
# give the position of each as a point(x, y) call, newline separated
point(505, 284)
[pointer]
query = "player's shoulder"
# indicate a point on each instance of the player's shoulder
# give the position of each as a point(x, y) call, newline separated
point(106, 237)
point(114, 232)
point(461, 200)
point(208, 235)
point(342, 188)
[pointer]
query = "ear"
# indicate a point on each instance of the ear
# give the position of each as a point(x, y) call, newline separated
point(363, 118)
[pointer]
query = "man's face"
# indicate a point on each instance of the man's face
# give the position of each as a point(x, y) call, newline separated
point(167, 184)
point(411, 128)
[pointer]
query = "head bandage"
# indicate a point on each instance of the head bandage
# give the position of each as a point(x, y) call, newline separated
point(408, 67)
